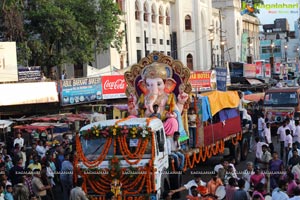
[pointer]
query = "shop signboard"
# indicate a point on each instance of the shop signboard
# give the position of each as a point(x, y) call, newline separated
point(8, 62)
point(28, 93)
point(268, 70)
point(200, 80)
point(249, 70)
point(221, 74)
point(29, 73)
point(80, 90)
point(113, 87)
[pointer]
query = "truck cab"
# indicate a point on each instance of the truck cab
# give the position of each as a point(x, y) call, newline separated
point(136, 154)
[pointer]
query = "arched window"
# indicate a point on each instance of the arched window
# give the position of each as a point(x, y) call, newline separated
point(167, 17)
point(189, 61)
point(188, 22)
point(145, 12)
point(237, 27)
point(161, 17)
point(153, 14)
point(137, 11)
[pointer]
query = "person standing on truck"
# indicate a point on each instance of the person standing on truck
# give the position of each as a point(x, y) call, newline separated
point(281, 137)
point(175, 150)
point(155, 112)
point(195, 182)
point(192, 117)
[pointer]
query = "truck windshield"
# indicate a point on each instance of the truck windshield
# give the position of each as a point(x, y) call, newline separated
point(93, 148)
point(281, 99)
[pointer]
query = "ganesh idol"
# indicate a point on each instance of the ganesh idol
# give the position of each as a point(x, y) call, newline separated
point(157, 91)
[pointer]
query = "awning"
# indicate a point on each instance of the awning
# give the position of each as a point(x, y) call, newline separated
point(29, 128)
point(5, 123)
point(255, 96)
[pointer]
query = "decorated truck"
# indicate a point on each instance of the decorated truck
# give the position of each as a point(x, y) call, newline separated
point(130, 157)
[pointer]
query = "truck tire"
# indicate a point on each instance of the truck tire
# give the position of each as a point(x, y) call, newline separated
point(175, 183)
point(244, 148)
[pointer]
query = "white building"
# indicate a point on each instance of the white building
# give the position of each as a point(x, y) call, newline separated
point(201, 33)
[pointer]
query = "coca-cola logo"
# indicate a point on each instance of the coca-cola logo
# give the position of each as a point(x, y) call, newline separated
point(114, 85)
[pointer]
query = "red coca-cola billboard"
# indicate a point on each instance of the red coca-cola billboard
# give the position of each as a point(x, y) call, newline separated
point(113, 87)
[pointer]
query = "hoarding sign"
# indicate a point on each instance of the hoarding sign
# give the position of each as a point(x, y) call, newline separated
point(80, 90)
point(29, 73)
point(28, 93)
point(200, 80)
point(221, 74)
point(277, 68)
point(249, 70)
point(114, 87)
point(259, 69)
point(8, 62)
point(268, 70)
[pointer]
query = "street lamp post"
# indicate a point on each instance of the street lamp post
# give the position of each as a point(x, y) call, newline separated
point(285, 53)
point(272, 55)
point(211, 38)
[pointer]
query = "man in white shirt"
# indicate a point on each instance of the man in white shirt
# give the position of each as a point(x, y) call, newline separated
point(268, 139)
point(260, 127)
point(258, 150)
point(41, 148)
point(248, 172)
point(288, 143)
point(176, 151)
point(294, 146)
point(281, 137)
point(195, 182)
point(296, 134)
point(19, 140)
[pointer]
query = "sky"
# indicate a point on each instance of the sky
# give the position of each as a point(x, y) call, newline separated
point(275, 9)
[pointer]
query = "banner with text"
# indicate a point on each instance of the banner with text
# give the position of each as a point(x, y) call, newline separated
point(29, 73)
point(200, 80)
point(114, 87)
point(80, 90)
point(249, 70)
point(221, 74)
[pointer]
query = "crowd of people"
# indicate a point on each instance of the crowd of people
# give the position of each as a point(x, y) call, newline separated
point(37, 170)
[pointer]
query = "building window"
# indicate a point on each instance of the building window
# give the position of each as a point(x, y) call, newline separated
point(188, 22)
point(147, 53)
point(168, 42)
point(120, 4)
point(138, 55)
point(169, 53)
point(147, 40)
point(189, 61)
point(137, 11)
point(153, 40)
point(145, 12)
point(161, 17)
point(167, 17)
point(153, 16)
point(162, 52)
point(161, 41)
point(138, 40)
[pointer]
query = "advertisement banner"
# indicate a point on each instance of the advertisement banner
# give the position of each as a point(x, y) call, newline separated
point(268, 70)
point(221, 74)
point(80, 90)
point(249, 70)
point(114, 87)
point(29, 73)
point(28, 93)
point(259, 69)
point(277, 68)
point(8, 62)
point(200, 80)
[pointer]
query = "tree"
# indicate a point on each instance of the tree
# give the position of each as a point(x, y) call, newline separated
point(68, 31)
